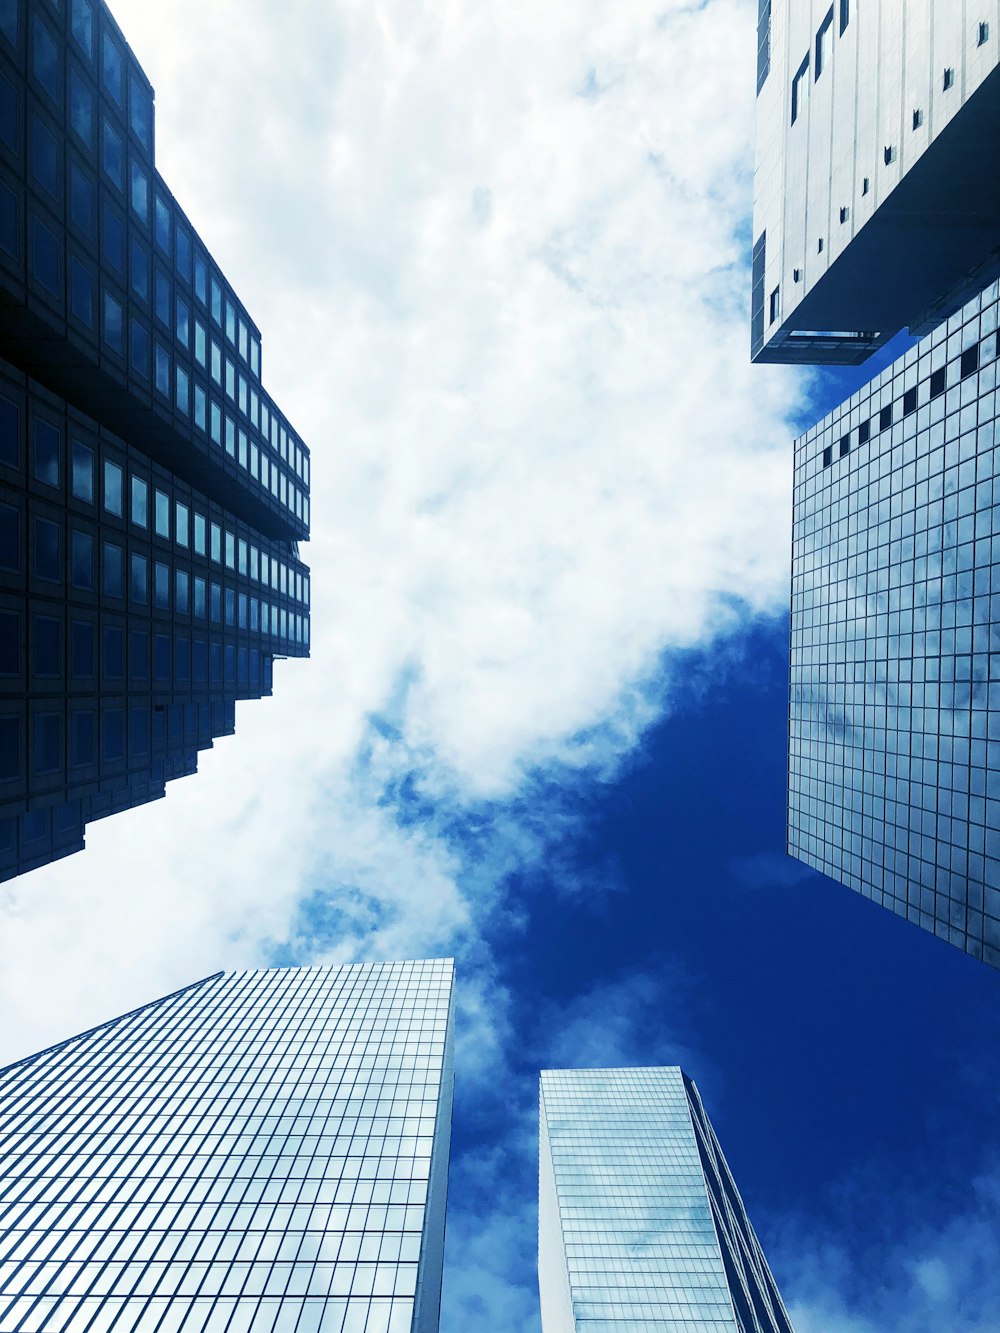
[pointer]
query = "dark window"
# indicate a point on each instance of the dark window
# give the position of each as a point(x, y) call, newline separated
point(139, 192)
point(163, 298)
point(937, 382)
point(138, 731)
point(828, 455)
point(113, 488)
point(798, 82)
point(181, 584)
point(113, 156)
point(140, 349)
point(161, 657)
point(114, 328)
point(909, 402)
point(823, 39)
point(819, 246)
point(81, 292)
point(845, 445)
point(138, 668)
point(111, 69)
point(845, 214)
point(162, 370)
point(885, 418)
point(948, 79)
point(9, 231)
point(81, 201)
point(182, 659)
point(864, 431)
point(81, 650)
point(113, 726)
point(970, 361)
point(82, 561)
point(201, 278)
point(889, 154)
point(183, 322)
point(140, 112)
point(140, 502)
point(114, 653)
point(984, 34)
point(82, 25)
point(162, 514)
point(918, 119)
point(113, 573)
point(10, 748)
point(82, 737)
point(215, 659)
point(138, 578)
point(44, 256)
point(139, 269)
point(46, 746)
point(46, 453)
point(845, 15)
point(182, 241)
point(46, 648)
point(216, 604)
point(200, 662)
point(162, 225)
point(81, 109)
point(774, 305)
point(46, 550)
point(865, 185)
point(10, 643)
point(114, 240)
point(162, 585)
point(44, 158)
point(45, 62)
point(83, 471)
point(10, 442)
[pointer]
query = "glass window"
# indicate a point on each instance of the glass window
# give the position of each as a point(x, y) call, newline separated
point(199, 598)
point(217, 363)
point(113, 160)
point(243, 448)
point(139, 192)
point(242, 394)
point(82, 26)
point(216, 543)
point(114, 652)
point(81, 292)
point(81, 109)
point(162, 514)
point(230, 550)
point(243, 339)
point(162, 225)
point(10, 643)
point(162, 370)
point(44, 158)
point(201, 278)
point(10, 434)
point(112, 488)
point(83, 471)
point(111, 69)
point(183, 252)
point(162, 298)
point(216, 302)
point(231, 321)
point(10, 538)
point(44, 256)
point(46, 748)
point(183, 321)
point(230, 437)
point(113, 241)
point(216, 428)
point(199, 343)
point(46, 654)
point(199, 534)
point(140, 499)
point(255, 356)
point(230, 379)
point(46, 453)
point(181, 523)
point(114, 329)
point(181, 592)
point(140, 349)
point(140, 269)
point(137, 731)
point(140, 111)
point(81, 561)
point(45, 61)
point(113, 729)
point(82, 737)
point(182, 391)
point(81, 649)
point(200, 407)
point(138, 578)
point(215, 604)
point(162, 586)
point(113, 572)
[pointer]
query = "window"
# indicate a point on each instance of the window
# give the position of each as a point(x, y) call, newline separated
point(199, 599)
point(182, 241)
point(937, 385)
point(111, 69)
point(140, 349)
point(181, 592)
point(113, 728)
point(885, 417)
point(138, 655)
point(82, 737)
point(181, 523)
point(46, 454)
point(162, 370)
point(81, 650)
point(162, 586)
point(162, 283)
point(230, 379)
point(824, 39)
point(139, 192)
point(215, 603)
point(81, 292)
point(864, 432)
point(140, 494)
point(139, 266)
point(161, 657)
point(162, 225)
point(889, 154)
point(46, 747)
point(948, 79)
point(199, 343)
point(138, 578)
point(918, 119)
point(44, 256)
point(845, 448)
point(10, 538)
point(970, 361)
point(865, 185)
point(845, 15)
point(83, 471)
point(845, 214)
point(81, 561)
point(799, 86)
point(113, 158)
point(216, 543)
point(819, 246)
point(138, 729)
point(82, 26)
point(199, 534)
point(45, 61)
point(81, 109)
point(255, 356)
point(230, 551)
point(44, 158)
point(773, 311)
point(114, 328)
point(113, 570)
point(113, 652)
point(112, 488)
point(182, 391)
point(46, 550)
point(230, 321)
point(113, 240)
point(909, 402)
point(200, 407)
point(162, 514)
point(182, 323)
point(46, 656)
point(140, 112)
point(216, 302)
point(984, 34)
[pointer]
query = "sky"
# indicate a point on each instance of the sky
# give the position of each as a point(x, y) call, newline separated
point(499, 256)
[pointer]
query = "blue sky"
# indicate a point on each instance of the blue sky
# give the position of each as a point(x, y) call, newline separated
point(499, 259)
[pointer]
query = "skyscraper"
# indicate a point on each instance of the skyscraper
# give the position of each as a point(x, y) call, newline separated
point(262, 1152)
point(894, 723)
point(640, 1225)
point(877, 191)
point(152, 495)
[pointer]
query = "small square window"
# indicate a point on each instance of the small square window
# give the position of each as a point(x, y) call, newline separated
point(918, 119)
point(845, 214)
point(949, 79)
point(889, 154)
point(774, 304)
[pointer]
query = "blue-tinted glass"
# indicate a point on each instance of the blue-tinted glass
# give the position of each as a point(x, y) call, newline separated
point(10, 446)
point(183, 391)
point(140, 111)
point(181, 524)
point(46, 550)
point(140, 494)
point(201, 278)
point(216, 302)
point(138, 656)
point(44, 158)
point(113, 574)
point(161, 657)
point(8, 221)
point(200, 407)
point(46, 742)
point(45, 60)
point(114, 329)
point(83, 471)
point(111, 69)
point(8, 20)
point(82, 737)
point(46, 647)
point(10, 643)
point(163, 298)
point(183, 252)
point(230, 321)
point(81, 108)
point(181, 585)
point(82, 201)
point(162, 225)
point(138, 578)
point(183, 321)
point(215, 604)
point(138, 732)
point(140, 269)
point(81, 292)
point(114, 653)
point(113, 488)
point(82, 25)
point(113, 156)
point(46, 453)
point(10, 731)
point(81, 660)
point(162, 370)
point(199, 598)
point(82, 560)
point(113, 245)
point(162, 514)
point(139, 191)
point(140, 349)
point(44, 256)
point(113, 729)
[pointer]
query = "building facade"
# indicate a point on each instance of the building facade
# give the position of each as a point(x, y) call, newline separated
point(877, 184)
point(640, 1225)
point(261, 1152)
point(152, 495)
point(894, 715)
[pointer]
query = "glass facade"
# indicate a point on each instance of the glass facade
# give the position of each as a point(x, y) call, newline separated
point(262, 1152)
point(641, 1229)
point(894, 725)
point(152, 494)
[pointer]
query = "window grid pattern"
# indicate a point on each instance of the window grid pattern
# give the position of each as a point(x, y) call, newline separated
point(894, 713)
point(654, 1234)
point(249, 1155)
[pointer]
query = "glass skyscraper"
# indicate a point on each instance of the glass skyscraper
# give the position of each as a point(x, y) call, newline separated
point(152, 495)
point(877, 185)
point(262, 1152)
point(894, 725)
point(640, 1226)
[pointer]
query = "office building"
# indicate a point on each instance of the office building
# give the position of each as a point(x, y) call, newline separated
point(262, 1152)
point(894, 723)
point(640, 1225)
point(877, 188)
point(152, 495)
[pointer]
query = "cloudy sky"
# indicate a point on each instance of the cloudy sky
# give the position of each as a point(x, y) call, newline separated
point(499, 256)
